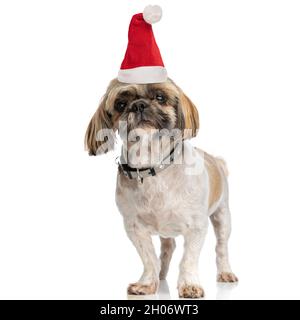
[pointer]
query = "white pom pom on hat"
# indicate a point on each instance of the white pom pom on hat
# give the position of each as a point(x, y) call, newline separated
point(152, 14)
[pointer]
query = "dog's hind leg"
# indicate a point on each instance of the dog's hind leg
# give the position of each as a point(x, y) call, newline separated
point(222, 226)
point(167, 248)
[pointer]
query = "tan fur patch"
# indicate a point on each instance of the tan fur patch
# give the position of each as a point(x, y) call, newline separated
point(142, 289)
point(215, 179)
point(227, 277)
point(191, 291)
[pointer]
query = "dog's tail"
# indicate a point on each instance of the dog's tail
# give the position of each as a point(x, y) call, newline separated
point(222, 164)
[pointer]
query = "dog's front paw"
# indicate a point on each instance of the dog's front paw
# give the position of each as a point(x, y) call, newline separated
point(142, 289)
point(190, 291)
point(227, 277)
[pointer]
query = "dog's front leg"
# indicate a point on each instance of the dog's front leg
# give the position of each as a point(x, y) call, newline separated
point(188, 281)
point(149, 280)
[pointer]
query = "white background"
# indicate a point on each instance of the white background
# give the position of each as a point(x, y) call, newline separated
point(61, 236)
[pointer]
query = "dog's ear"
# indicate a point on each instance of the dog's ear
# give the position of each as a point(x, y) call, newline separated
point(100, 136)
point(191, 116)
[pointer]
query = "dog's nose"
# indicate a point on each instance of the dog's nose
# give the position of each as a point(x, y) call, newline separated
point(139, 106)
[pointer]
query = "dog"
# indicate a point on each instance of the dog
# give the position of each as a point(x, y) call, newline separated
point(164, 199)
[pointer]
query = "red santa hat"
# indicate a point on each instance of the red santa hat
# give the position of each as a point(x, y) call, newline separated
point(142, 62)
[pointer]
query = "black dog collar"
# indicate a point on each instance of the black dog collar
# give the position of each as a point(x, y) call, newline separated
point(140, 174)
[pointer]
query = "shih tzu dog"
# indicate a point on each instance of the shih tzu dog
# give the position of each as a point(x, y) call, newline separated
point(165, 186)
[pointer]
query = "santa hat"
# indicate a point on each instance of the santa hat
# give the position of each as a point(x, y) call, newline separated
point(142, 62)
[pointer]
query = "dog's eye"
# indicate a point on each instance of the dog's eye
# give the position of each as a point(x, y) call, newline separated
point(120, 106)
point(160, 98)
